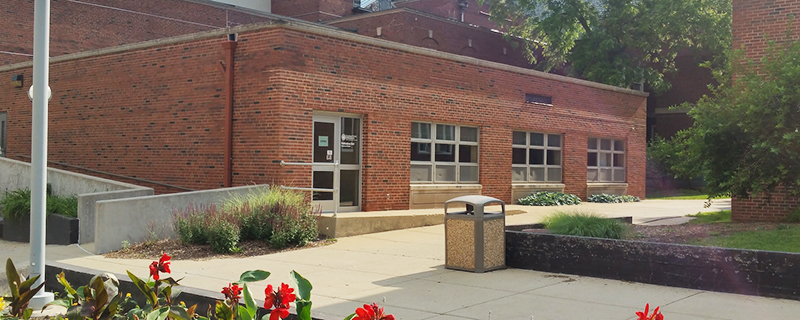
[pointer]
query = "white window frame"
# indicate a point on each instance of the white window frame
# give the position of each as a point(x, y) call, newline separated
point(612, 167)
point(456, 144)
point(528, 166)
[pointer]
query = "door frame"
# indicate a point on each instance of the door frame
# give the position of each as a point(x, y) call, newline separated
point(336, 118)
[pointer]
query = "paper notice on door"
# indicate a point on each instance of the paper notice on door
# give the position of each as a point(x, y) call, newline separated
point(323, 141)
point(329, 156)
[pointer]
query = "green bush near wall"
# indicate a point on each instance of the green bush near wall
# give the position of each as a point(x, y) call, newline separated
point(549, 198)
point(612, 198)
point(16, 205)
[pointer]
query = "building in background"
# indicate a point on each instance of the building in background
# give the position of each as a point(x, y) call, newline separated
point(394, 109)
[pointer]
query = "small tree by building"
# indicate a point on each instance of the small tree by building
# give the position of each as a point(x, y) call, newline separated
point(746, 135)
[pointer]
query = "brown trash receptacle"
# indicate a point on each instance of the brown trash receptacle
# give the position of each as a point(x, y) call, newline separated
point(475, 240)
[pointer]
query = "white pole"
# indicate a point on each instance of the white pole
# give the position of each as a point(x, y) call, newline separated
point(40, 94)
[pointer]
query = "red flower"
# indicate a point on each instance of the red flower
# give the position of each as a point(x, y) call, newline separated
point(372, 312)
point(655, 316)
point(232, 293)
point(162, 265)
point(278, 301)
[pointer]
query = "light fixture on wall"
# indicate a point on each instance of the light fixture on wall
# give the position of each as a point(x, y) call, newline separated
point(16, 80)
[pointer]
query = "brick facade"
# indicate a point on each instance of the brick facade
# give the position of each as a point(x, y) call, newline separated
point(757, 21)
point(95, 24)
point(156, 113)
point(429, 31)
point(754, 23)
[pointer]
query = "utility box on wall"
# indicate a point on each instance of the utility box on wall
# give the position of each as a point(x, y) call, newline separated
point(474, 239)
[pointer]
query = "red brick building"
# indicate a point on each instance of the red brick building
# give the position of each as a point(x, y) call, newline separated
point(754, 23)
point(389, 125)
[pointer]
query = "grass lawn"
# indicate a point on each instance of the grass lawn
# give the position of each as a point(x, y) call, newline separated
point(680, 194)
point(785, 238)
point(711, 217)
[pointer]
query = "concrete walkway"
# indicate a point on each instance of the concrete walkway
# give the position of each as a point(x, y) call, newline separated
point(403, 270)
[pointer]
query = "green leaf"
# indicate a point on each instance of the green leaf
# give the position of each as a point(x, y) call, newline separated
point(350, 317)
point(253, 276)
point(63, 281)
point(303, 286)
point(179, 312)
point(249, 302)
point(244, 314)
point(61, 303)
point(12, 275)
point(303, 309)
point(144, 288)
point(100, 293)
point(223, 312)
point(26, 285)
point(27, 313)
point(159, 314)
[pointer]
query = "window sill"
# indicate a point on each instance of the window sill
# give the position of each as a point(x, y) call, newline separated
point(537, 185)
point(607, 184)
point(438, 186)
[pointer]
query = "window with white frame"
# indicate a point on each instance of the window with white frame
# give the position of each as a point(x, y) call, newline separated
point(443, 153)
point(606, 160)
point(536, 157)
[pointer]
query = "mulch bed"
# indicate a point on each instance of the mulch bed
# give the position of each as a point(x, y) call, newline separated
point(685, 233)
point(182, 251)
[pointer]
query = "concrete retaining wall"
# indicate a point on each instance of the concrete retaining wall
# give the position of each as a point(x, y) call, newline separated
point(148, 218)
point(763, 273)
point(86, 208)
point(17, 175)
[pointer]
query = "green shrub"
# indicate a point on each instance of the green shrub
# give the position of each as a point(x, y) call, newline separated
point(276, 216)
point(585, 224)
point(17, 205)
point(65, 206)
point(192, 224)
point(548, 198)
point(612, 198)
point(794, 216)
point(223, 236)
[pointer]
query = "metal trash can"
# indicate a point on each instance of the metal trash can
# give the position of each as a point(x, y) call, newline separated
point(475, 240)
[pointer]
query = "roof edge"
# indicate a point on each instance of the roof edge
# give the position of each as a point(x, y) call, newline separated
point(333, 32)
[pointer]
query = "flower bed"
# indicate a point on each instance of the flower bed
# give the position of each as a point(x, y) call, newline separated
point(763, 273)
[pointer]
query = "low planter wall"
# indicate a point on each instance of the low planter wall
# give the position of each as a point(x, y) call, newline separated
point(78, 276)
point(763, 273)
point(60, 230)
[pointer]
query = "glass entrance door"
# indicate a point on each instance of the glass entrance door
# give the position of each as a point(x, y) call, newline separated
point(337, 163)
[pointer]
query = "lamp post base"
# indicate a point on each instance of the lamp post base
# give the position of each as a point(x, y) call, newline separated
point(40, 299)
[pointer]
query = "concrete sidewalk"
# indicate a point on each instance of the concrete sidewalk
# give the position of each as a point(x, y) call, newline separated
point(405, 269)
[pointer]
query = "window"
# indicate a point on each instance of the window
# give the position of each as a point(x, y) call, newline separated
point(535, 98)
point(442, 153)
point(3, 125)
point(536, 157)
point(606, 160)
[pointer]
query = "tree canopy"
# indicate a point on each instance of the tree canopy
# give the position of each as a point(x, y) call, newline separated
point(617, 42)
point(746, 138)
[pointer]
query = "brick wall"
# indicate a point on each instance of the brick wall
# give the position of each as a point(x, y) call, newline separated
point(306, 73)
point(754, 23)
point(96, 24)
point(154, 114)
point(313, 10)
point(774, 207)
point(474, 14)
point(416, 28)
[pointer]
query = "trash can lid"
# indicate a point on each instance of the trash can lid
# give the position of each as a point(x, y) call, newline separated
point(474, 200)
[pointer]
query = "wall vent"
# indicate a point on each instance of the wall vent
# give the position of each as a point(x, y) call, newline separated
point(535, 98)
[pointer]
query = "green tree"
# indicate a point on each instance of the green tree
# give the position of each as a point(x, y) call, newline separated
point(745, 138)
point(617, 42)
